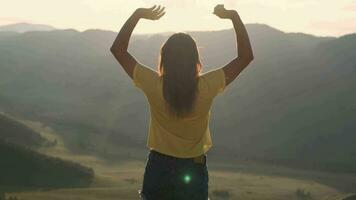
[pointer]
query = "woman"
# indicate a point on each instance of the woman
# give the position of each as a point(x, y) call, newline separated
point(180, 99)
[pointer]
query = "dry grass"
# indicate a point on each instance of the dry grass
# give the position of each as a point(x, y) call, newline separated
point(122, 180)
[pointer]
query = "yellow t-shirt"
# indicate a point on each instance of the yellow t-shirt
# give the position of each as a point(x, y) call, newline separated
point(186, 137)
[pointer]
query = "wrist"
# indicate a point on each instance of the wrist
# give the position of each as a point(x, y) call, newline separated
point(233, 14)
point(137, 14)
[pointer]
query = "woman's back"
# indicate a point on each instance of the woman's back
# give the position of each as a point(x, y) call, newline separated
point(183, 137)
point(180, 102)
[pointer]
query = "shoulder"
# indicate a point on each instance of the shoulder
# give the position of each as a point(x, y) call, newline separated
point(145, 77)
point(144, 70)
point(215, 75)
point(213, 81)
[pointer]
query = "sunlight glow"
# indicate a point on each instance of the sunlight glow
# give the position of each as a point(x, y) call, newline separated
point(321, 17)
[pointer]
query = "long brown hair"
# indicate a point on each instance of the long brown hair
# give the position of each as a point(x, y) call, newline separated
point(179, 68)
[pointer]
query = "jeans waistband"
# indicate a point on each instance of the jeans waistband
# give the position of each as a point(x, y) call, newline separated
point(199, 159)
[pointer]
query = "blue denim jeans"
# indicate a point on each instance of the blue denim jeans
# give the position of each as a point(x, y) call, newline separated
point(170, 178)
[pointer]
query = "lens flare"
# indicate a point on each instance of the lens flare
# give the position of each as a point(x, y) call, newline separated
point(187, 179)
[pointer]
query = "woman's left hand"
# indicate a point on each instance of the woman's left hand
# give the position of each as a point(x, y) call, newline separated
point(153, 13)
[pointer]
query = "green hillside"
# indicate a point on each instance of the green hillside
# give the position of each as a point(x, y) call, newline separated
point(14, 132)
point(24, 168)
point(295, 105)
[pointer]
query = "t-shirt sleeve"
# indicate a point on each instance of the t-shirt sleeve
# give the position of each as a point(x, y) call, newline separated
point(144, 77)
point(215, 81)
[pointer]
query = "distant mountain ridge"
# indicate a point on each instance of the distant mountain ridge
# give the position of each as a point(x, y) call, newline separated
point(295, 104)
point(25, 27)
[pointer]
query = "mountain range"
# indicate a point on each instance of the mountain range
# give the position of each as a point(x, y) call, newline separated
point(294, 105)
point(25, 27)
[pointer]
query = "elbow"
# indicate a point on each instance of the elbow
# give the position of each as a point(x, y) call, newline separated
point(247, 58)
point(250, 57)
point(113, 50)
point(117, 52)
point(116, 48)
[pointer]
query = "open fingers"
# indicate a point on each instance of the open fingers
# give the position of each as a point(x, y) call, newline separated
point(152, 8)
point(160, 11)
point(155, 12)
point(156, 9)
point(160, 15)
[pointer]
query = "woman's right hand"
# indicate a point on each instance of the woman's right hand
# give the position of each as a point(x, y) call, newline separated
point(221, 12)
point(153, 13)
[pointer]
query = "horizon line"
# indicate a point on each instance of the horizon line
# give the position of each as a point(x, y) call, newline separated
point(167, 32)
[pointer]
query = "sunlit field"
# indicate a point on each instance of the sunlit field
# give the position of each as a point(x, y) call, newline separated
point(227, 181)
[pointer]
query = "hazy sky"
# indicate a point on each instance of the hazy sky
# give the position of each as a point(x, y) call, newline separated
point(319, 17)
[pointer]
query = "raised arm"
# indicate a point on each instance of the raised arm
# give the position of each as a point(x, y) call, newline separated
point(245, 54)
point(121, 43)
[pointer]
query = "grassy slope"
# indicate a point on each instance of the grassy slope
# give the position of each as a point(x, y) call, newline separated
point(13, 132)
point(121, 180)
